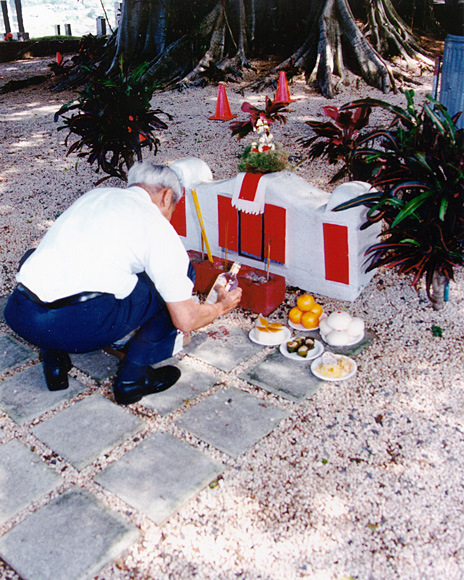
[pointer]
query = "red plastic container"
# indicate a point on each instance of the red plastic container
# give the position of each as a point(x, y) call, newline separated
point(206, 272)
point(260, 295)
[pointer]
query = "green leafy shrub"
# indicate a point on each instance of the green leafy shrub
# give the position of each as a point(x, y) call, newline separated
point(114, 121)
point(261, 156)
point(262, 162)
point(418, 190)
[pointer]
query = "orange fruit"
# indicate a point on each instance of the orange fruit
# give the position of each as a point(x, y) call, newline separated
point(317, 309)
point(310, 320)
point(305, 302)
point(295, 315)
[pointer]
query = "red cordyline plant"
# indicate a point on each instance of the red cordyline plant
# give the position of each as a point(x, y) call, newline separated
point(338, 140)
point(114, 121)
point(272, 112)
point(418, 192)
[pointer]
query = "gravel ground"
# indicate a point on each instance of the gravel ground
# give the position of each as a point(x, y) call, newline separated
point(364, 480)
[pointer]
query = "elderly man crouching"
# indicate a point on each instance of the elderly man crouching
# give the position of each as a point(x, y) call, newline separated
point(111, 264)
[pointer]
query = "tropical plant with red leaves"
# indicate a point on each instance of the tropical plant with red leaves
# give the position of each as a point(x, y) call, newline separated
point(273, 111)
point(418, 191)
point(114, 121)
point(338, 140)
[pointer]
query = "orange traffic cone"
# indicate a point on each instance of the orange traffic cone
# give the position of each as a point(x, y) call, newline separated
point(283, 94)
point(223, 112)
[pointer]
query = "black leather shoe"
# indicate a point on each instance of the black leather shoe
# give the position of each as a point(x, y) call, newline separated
point(56, 365)
point(155, 381)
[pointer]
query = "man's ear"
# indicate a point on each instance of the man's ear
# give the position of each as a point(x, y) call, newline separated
point(167, 195)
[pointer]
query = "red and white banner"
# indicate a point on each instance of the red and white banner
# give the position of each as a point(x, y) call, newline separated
point(250, 192)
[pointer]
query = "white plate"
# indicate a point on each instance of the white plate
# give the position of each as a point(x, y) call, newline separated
point(318, 361)
point(253, 337)
point(313, 353)
point(355, 340)
point(304, 329)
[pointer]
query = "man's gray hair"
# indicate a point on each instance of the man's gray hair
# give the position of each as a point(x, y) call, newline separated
point(146, 173)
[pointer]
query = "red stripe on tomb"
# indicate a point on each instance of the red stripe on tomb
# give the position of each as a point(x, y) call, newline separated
point(178, 220)
point(251, 233)
point(336, 253)
point(227, 223)
point(274, 232)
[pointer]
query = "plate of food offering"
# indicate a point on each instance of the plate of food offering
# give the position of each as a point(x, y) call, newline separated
point(333, 367)
point(302, 348)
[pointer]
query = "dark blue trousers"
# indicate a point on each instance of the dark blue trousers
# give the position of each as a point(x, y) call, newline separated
point(99, 322)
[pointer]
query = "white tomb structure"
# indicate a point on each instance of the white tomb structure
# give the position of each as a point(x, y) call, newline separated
point(288, 226)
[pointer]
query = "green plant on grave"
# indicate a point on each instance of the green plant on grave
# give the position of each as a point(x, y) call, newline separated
point(418, 192)
point(262, 156)
point(262, 162)
point(114, 121)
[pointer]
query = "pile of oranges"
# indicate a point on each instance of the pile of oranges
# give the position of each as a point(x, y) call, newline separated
point(306, 312)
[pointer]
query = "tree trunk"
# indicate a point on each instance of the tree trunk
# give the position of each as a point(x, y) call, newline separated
point(141, 33)
point(334, 34)
point(320, 38)
point(418, 14)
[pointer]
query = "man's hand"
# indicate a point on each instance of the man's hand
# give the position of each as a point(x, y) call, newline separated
point(188, 315)
point(229, 300)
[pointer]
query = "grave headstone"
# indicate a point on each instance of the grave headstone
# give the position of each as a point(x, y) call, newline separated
point(101, 26)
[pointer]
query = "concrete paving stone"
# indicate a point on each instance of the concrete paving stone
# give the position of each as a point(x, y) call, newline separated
point(71, 538)
point(24, 479)
point(14, 353)
point(98, 364)
point(231, 420)
point(292, 380)
point(159, 476)
point(25, 395)
point(192, 383)
point(88, 429)
point(222, 346)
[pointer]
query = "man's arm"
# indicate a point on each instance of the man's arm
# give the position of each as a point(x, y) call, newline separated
point(188, 315)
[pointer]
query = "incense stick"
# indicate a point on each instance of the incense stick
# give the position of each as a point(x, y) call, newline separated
point(225, 249)
point(202, 225)
point(268, 260)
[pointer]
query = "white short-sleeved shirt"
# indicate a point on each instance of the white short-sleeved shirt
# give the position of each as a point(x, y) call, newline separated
point(102, 242)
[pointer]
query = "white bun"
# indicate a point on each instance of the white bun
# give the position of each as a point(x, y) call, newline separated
point(339, 320)
point(356, 327)
point(337, 338)
point(324, 326)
